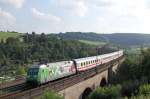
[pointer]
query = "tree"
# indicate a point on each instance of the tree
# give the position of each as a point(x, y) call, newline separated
point(112, 92)
point(49, 94)
point(20, 70)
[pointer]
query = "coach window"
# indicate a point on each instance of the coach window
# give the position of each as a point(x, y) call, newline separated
point(83, 64)
point(86, 63)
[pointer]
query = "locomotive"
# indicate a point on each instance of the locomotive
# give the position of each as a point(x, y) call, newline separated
point(44, 73)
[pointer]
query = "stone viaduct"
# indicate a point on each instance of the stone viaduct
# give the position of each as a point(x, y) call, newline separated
point(82, 89)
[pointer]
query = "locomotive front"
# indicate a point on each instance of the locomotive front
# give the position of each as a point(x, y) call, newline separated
point(32, 75)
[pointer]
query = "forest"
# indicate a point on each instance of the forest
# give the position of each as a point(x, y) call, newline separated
point(132, 80)
point(19, 53)
point(124, 40)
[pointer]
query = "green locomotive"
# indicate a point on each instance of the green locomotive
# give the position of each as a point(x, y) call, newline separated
point(40, 74)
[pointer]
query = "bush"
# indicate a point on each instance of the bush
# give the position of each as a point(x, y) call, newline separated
point(112, 92)
point(140, 97)
point(20, 70)
point(144, 89)
point(49, 94)
point(130, 88)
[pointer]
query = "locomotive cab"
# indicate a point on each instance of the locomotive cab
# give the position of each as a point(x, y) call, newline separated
point(32, 75)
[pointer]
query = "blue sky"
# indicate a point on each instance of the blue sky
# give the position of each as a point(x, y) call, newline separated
point(53, 16)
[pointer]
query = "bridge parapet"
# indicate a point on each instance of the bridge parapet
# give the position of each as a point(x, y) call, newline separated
point(72, 87)
point(82, 89)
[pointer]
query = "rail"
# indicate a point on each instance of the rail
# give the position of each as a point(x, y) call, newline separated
point(18, 80)
point(60, 84)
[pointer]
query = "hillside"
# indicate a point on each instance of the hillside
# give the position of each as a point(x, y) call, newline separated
point(82, 36)
point(121, 39)
point(129, 40)
point(97, 43)
point(5, 35)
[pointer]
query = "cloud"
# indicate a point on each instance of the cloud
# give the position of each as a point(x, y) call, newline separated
point(7, 20)
point(79, 8)
point(125, 16)
point(40, 15)
point(15, 3)
point(81, 15)
point(74, 7)
point(6, 15)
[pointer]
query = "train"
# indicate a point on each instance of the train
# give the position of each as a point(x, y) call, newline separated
point(43, 73)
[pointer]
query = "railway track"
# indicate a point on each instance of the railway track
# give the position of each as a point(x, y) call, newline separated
point(19, 80)
point(57, 85)
point(13, 86)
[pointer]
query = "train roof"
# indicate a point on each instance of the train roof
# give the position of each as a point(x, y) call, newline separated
point(38, 66)
point(54, 63)
point(87, 59)
point(77, 60)
point(60, 63)
point(95, 57)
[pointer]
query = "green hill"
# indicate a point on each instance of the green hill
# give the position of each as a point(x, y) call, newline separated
point(97, 43)
point(5, 35)
point(82, 36)
point(121, 39)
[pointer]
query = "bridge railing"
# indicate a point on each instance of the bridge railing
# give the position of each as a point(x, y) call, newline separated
point(60, 84)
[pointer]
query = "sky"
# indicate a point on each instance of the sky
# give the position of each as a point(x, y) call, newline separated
point(54, 16)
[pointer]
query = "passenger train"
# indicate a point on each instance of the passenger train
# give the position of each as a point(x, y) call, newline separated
point(44, 73)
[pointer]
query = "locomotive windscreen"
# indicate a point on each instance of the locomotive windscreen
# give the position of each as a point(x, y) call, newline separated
point(33, 71)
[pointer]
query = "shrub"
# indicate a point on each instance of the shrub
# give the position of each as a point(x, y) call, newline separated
point(112, 92)
point(20, 70)
point(140, 97)
point(144, 89)
point(130, 88)
point(49, 94)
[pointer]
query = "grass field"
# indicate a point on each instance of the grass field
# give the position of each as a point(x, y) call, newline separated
point(93, 42)
point(133, 51)
point(5, 35)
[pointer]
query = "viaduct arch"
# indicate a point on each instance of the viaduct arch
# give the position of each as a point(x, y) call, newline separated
point(86, 92)
point(84, 88)
point(79, 90)
point(103, 82)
